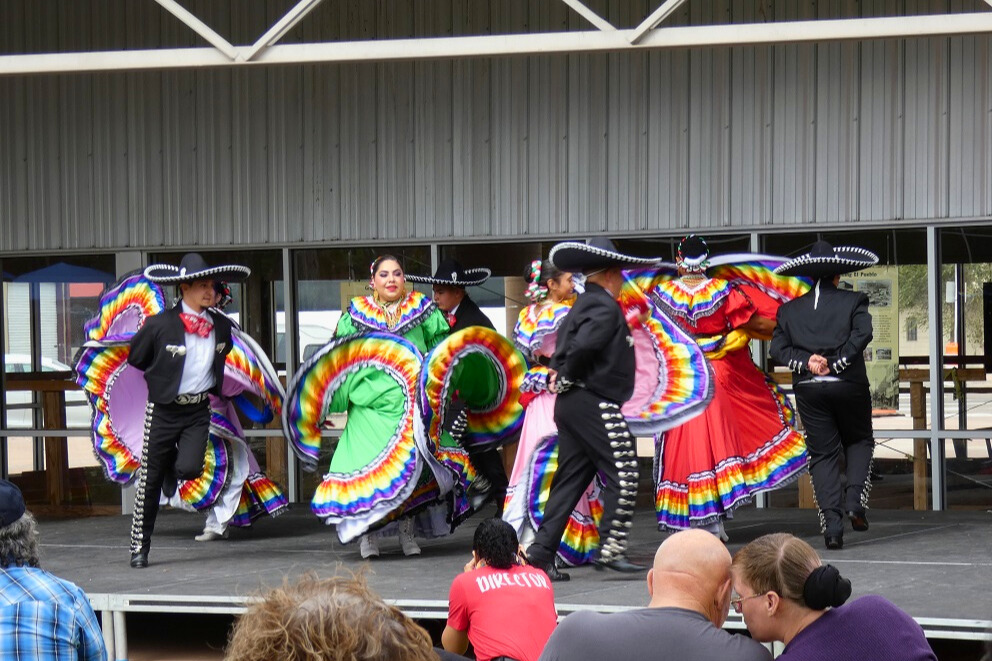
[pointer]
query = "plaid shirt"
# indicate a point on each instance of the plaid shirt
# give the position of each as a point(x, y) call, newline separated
point(44, 618)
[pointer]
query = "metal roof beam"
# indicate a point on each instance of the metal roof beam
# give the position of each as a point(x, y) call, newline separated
point(199, 27)
point(281, 27)
point(598, 21)
point(512, 44)
point(660, 14)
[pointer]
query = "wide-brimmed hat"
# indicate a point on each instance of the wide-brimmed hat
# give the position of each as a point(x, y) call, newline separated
point(598, 253)
point(825, 261)
point(193, 267)
point(450, 272)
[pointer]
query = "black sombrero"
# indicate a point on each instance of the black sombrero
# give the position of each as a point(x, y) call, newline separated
point(825, 261)
point(598, 253)
point(192, 268)
point(450, 272)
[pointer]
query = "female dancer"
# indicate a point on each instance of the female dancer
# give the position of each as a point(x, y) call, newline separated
point(551, 293)
point(744, 442)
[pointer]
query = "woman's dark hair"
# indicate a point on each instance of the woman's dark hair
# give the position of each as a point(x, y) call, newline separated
point(495, 542)
point(537, 274)
point(382, 258)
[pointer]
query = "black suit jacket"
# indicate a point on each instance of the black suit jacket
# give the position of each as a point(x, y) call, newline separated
point(163, 368)
point(595, 346)
point(469, 314)
point(838, 328)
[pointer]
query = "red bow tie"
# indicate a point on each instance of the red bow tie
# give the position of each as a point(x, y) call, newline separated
point(196, 325)
point(451, 319)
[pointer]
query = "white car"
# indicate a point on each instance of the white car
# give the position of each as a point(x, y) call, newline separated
point(19, 407)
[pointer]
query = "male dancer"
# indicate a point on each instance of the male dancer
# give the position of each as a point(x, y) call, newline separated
point(182, 352)
point(593, 374)
point(449, 282)
point(821, 336)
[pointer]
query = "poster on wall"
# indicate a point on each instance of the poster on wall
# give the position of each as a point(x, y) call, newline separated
point(881, 284)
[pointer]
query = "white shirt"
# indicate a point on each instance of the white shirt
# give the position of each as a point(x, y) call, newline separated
point(198, 375)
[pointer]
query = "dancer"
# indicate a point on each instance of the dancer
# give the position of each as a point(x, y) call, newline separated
point(822, 336)
point(593, 373)
point(225, 480)
point(745, 441)
point(449, 282)
point(394, 470)
point(551, 293)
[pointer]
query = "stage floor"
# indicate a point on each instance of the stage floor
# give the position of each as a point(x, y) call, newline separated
point(932, 564)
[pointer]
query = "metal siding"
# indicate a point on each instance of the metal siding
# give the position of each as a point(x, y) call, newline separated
point(647, 142)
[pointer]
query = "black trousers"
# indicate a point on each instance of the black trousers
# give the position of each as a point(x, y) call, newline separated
point(175, 444)
point(487, 463)
point(592, 437)
point(837, 418)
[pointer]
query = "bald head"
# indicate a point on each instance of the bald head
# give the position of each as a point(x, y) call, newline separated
point(692, 570)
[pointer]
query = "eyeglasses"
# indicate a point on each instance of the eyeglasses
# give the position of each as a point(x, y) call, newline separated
point(738, 602)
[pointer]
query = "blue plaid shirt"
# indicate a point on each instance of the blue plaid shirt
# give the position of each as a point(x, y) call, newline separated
point(43, 618)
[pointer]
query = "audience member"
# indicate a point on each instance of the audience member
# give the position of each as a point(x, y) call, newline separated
point(505, 608)
point(690, 589)
point(41, 615)
point(327, 619)
point(786, 594)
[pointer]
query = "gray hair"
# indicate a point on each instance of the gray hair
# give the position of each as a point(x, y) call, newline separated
point(19, 543)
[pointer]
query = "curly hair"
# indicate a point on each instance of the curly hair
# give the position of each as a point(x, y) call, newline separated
point(327, 619)
point(19, 543)
point(495, 542)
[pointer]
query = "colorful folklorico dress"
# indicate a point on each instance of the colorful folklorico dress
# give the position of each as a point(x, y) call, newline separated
point(537, 454)
point(232, 490)
point(745, 441)
point(393, 374)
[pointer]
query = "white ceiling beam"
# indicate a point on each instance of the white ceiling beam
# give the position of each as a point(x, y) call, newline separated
point(281, 27)
point(660, 14)
point(199, 27)
point(513, 44)
point(597, 21)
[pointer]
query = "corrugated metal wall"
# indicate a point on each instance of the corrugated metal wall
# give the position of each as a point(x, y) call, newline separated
point(647, 142)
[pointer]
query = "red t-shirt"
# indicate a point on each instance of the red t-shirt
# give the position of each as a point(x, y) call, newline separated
point(506, 612)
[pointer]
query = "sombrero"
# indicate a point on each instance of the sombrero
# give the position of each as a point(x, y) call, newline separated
point(825, 261)
point(450, 272)
point(192, 267)
point(598, 253)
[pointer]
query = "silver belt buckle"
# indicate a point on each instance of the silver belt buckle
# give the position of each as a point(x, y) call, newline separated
point(185, 399)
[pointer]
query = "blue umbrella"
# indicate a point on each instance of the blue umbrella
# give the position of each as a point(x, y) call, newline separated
point(62, 272)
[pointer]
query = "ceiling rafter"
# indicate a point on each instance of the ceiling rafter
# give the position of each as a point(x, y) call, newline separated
point(598, 21)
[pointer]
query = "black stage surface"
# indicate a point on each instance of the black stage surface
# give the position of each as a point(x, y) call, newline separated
point(932, 564)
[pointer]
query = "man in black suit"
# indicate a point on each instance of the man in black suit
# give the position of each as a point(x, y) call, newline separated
point(449, 282)
point(182, 352)
point(592, 371)
point(821, 336)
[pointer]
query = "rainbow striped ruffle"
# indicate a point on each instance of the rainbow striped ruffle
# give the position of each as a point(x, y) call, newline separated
point(124, 308)
point(202, 492)
point(647, 278)
point(535, 322)
point(250, 368)
point(259, 496)
point(489, 422)
point(367, 315)
point(681, 380)
point(759, 271)
point(386, 481)
point(581, 537)
point(730, 484)
point(535, 380)
point(456, 460)
point(681, 300)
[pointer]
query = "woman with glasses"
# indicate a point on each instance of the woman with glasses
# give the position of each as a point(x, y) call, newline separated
point(786, 594)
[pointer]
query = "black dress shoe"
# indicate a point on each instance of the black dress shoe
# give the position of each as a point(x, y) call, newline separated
point(859, 520)
point(834, 542)
point(139, 560)
point(620, 564)
point(555, 575)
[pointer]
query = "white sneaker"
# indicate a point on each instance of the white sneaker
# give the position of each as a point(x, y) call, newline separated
point(409, 545)
point(368, 547)
point(724, 537)
point(210, 536)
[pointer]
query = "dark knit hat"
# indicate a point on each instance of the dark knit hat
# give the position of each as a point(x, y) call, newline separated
point(11, 503)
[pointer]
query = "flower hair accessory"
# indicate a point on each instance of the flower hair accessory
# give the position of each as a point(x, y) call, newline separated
point(536, 292)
